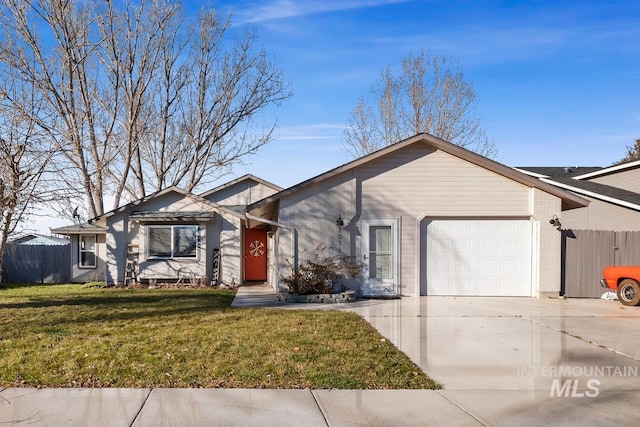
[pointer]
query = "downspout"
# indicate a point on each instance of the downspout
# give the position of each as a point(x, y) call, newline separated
point(294, 235)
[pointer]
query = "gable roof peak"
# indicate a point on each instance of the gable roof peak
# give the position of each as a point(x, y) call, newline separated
point(245, 177)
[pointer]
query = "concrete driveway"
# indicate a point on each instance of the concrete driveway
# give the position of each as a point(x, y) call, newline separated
point(522, 361)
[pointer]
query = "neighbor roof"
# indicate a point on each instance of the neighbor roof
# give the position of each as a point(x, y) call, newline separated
point(577, 180)
point(558, 171)
point(611, 169)
point(569, 200)
point(39, 240)
point(598, 191)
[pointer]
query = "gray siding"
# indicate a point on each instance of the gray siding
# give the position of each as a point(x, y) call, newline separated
point(87, 274)
point(546, 243)
point(230, 250)
point(420, 180)
point(601, 215)
point(241, 194)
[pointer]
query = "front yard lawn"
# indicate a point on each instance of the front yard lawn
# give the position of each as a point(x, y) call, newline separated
point(70, 336)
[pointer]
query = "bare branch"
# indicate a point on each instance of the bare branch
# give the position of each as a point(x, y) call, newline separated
point(24, 157)
point(430, 95)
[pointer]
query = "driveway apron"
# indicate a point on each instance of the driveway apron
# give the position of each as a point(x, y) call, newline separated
point(522, 361)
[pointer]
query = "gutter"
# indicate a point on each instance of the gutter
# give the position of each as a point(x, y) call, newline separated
point(294, 235)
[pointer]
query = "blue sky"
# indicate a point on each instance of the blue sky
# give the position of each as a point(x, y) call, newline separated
point(557, 81)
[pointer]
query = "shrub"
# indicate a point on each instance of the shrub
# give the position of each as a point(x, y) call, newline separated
point(317, 273)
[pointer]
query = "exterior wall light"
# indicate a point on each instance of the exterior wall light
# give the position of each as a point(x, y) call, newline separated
point(555, 222)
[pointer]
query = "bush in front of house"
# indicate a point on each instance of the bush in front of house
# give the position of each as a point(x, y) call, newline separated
point(317, 273)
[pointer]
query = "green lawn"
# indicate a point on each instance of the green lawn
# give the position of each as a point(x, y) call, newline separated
point(70, 336)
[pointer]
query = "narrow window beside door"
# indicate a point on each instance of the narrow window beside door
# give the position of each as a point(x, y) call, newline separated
point(380, 252)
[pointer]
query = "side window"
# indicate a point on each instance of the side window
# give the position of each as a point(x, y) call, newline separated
point(159, 242)
point(185, 241)
point(87, 251)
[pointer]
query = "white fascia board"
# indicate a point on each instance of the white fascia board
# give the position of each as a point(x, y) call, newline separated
point(605, 171)
point(533, 174)
point(592, 194)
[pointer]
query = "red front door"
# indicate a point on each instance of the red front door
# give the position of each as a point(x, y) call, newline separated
point(255, 254)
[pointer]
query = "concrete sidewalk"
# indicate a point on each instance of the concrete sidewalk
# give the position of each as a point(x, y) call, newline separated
point(228, 407)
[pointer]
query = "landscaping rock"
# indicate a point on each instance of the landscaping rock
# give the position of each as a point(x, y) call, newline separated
point(342, 297)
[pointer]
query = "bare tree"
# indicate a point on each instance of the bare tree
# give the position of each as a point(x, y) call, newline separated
point(207, 109)
point(430, 95)
point(139, 96)
point(24, 157)
point(49, 45)
point(633, 153)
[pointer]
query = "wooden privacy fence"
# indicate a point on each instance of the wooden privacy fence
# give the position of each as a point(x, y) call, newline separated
point(37, 264)
point(585, 253)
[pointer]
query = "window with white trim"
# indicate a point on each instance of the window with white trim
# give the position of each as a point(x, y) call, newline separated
point(172, 241)
point(87, 255)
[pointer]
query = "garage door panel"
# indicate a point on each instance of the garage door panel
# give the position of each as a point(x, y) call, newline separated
point(441, 266)
point(478, 257)
point(490, 287)
point(463, 286)
point(487, 246)
point(489, 266)
point(442, 246)
point(509, 267)
point(460, 227)
point(510, 247)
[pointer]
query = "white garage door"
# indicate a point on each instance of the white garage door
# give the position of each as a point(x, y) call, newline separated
point(479, 257)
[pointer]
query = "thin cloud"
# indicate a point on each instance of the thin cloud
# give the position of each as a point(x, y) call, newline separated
point(317, 131)
point(515, 43)
point(281, 9)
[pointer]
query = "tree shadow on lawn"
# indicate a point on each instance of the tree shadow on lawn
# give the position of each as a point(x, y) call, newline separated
point(106, 307)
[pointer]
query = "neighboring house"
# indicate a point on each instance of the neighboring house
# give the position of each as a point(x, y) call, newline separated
point(426, 217)
point(613, 192)
point(170, 235)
